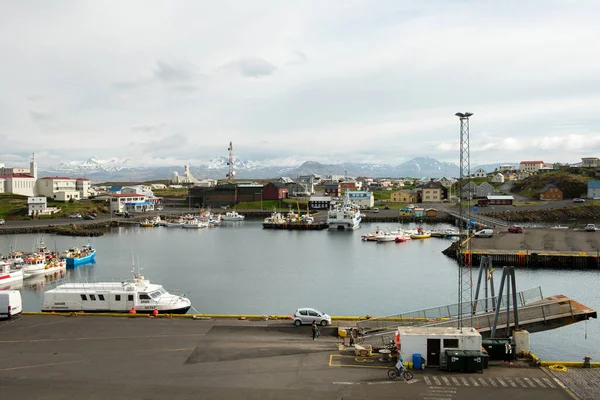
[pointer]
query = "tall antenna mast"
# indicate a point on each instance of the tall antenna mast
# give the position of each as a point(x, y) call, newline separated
point(465, 275)
point(231, 173)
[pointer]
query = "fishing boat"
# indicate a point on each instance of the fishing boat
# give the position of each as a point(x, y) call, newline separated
point(232, 216)
point(421, 234)
point(13, 257)
point(194, 224)
point(174, 223)
point(136, 294)
point(75, 256)
point(344, 216)
point(8, 274)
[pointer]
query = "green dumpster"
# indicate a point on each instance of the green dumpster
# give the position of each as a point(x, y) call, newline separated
point(495, 348)
point(455, 360)
point(474, 361)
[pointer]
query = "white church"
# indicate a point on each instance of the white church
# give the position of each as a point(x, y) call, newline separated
point(19, 180)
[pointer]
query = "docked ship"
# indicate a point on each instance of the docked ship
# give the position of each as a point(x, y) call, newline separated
point(75, 256)
point(117, 297)
point(8, 274)
point(345, 216)
point(233, 216)
point(40, 264)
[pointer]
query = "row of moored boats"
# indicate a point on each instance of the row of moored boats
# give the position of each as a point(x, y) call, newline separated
point(402, 235)
point(205, 219)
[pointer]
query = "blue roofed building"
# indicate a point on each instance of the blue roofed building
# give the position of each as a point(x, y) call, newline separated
point(593, 190)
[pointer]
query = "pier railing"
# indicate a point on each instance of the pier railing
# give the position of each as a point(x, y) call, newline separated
point(447, 312)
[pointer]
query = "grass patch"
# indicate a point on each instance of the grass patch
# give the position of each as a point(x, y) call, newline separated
point(12, 205)
point(572, 184)
point(382, 195)
point(183, 192)
point(526, 203)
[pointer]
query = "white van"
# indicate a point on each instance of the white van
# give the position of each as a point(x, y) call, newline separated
point(10, 303)
point(484, 233)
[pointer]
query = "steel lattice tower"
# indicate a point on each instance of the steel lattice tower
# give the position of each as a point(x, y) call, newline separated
point(230, 160)
point(465, 276)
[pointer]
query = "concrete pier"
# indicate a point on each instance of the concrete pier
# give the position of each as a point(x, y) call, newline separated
point(56, 357)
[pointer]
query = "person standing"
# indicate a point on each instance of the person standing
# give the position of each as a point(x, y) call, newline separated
point(507, 353)
point(314, 330)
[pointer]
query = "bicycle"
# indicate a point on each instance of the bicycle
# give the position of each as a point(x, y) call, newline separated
point(393, 373)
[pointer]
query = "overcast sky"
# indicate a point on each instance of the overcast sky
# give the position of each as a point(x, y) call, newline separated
point(292, 81)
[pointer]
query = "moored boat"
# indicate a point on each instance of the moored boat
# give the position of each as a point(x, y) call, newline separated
point(136, 294)
point(344, 216)
point(421, 234)
point(232, 216)
point(75, 256)
point(9, 275)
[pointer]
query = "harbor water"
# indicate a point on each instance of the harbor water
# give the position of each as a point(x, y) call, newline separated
point(241, 268)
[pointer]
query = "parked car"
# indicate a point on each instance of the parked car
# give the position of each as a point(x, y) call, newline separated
point(10, 303)
point(515, 229)
point(386, 207)
point(159, 208)
point(89, 217)
point(1, 221)
point(127, 214)
point(484, 233)
point(308, 315)
point(94, 215)
point(578, 200)
point(76, 215)
point(376, 210)
point(591, 228)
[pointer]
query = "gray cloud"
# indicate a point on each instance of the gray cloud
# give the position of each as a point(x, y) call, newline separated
point(173, 73)
point(251, 67)
point(40, 117)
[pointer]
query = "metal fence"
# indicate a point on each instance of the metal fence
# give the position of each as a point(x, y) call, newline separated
point(435, 314)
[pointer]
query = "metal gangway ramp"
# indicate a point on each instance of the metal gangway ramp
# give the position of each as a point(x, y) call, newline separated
point(535, 312)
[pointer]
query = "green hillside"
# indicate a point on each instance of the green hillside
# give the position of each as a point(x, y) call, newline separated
point(572, 184)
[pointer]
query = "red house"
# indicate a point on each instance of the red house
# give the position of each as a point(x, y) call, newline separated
point(274, 191)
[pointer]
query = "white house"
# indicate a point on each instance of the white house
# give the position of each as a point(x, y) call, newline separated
point(38, 206)
point(590, 162)
point(522, 175)
point(480, 173)
point(59, 188)
point(498, 178)
point(531, 166)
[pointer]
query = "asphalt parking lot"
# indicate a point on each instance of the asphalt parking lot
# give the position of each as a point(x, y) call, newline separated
point(89, 357)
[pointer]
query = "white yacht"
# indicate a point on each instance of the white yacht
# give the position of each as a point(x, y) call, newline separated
point(121, 297)
point(232, 216)
point(344, 216)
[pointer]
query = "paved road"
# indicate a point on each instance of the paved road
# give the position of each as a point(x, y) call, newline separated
point(55, 357)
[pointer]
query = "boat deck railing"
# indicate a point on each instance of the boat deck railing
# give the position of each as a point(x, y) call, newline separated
point(447, 312)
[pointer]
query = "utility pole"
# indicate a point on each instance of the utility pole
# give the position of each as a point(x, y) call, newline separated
point(465, 275)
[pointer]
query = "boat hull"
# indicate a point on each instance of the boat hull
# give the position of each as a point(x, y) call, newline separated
point(183, 310)
point(73, 262)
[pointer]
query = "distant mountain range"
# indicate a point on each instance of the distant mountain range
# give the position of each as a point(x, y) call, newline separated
point(125, 170)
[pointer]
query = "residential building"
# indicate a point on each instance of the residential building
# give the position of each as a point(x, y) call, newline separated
point(590, 162)
point(522, 175)
point(469, 189)
point(83, 186)
point(531, 166)
point(36, 205)
point(506, 167)
point(509, 175)
point(593, 191)
point(332, 189)
point(498, 178)
point(480, 173)
point(129, 202)
point(484, 189)
point(347, 186)
point(446, 182)
point(274, 191)
point(59, 188)
point(431, 212)
point(362, 198)
point(319, 202)
point(285, 179)
point(114, 189)
point(433, 192)
point(551, 192)
point(408, 196)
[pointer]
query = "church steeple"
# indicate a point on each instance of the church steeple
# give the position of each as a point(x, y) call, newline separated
point(33, 166)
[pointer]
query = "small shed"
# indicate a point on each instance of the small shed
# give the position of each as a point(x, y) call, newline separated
point(404, 212)
point(431, 212)
point(431, 342)
point(551, 192)
point(419, 211)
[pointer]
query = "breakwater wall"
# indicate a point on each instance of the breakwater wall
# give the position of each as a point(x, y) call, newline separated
point(528, 259)
point(84, 230)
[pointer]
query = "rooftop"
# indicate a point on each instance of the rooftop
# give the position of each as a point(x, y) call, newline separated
point(531, 162)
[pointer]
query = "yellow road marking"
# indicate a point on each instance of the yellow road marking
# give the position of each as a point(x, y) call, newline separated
point(93, 359)
point(98, 338)
point(353, 365)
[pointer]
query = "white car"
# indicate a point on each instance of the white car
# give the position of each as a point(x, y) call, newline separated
point(75, 216)
point(308, 315)
point(159, 208)
point(1, 221)
point(591, 228)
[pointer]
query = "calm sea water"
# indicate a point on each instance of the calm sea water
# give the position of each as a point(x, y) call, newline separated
point(241, 268)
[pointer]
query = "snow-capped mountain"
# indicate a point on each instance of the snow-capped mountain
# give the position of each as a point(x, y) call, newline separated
point(115, 169)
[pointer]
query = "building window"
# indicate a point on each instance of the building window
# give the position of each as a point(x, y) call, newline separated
point(83, 297)
point(92, 297)
point(129, 297)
